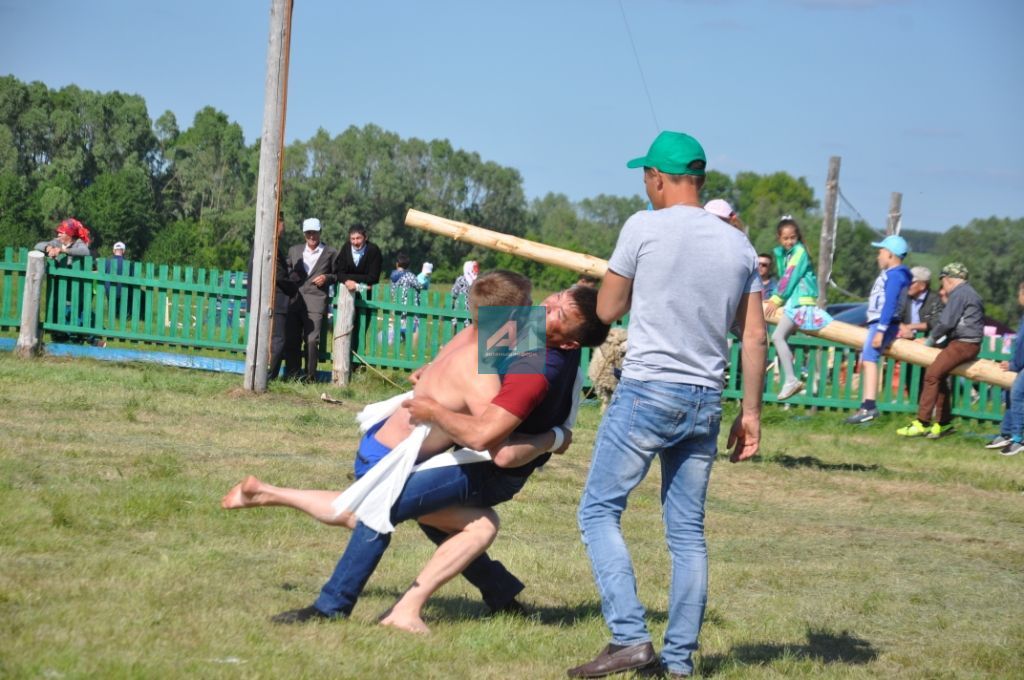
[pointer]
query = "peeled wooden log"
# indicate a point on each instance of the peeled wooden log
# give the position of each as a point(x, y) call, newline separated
point(981, 370)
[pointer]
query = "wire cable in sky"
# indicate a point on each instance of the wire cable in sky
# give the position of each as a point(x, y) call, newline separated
point(856, 212)
point(639, 67)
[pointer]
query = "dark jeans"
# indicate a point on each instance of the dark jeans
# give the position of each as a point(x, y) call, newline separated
point(935, 395)
point(478, 484)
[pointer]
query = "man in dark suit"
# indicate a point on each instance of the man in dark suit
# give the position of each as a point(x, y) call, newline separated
point(285, 288)
point(360, 264)
point(921, 307)
point(312, 266)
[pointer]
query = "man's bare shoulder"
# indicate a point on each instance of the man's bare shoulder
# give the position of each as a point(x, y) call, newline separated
point(454, 381)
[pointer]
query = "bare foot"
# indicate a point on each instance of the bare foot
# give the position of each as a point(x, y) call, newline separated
point(407, 622)
point(245, 494)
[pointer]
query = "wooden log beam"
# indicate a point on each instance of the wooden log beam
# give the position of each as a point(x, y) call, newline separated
point(495, 240)
point(981, 370)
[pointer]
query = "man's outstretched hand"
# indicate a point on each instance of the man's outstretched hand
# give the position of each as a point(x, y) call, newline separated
point(744, 437)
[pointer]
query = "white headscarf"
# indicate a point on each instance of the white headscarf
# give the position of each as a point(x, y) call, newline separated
point(467, 271)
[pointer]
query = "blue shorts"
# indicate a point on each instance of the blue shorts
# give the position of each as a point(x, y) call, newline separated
point(871, 354)
point(370, 451)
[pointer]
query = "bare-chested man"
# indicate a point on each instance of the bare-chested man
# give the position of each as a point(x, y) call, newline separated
point(435, 496)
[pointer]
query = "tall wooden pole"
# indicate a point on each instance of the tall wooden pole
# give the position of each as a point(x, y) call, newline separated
point(268, 196)
point(892, 224)
point(983, 370)
point(29, 338)
point(828, 230)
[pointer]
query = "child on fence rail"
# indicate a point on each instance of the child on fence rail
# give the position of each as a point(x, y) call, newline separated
point(959, 331)
point(883, 319)
point(1011, 433)
point(797, 293)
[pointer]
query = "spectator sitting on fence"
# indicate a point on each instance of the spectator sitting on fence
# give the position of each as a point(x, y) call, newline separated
point(461, 287)
point(797, 294)
point(72, 241)
point(424, 276)
point(402, 282)
point(883, 320)
point(959, 329)
point(922, 306)
point(1011, 432)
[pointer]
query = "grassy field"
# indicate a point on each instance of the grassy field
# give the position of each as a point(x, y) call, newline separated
point(839, 553)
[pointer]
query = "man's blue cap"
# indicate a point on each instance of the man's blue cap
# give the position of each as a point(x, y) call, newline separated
point(897, 245)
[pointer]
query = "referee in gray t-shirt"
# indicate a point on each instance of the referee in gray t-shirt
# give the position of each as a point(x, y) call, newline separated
point(684, 277)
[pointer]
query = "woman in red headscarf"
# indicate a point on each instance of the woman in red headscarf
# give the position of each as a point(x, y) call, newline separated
point(72, 241)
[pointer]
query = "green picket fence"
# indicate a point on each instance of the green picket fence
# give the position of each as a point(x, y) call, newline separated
point(198, 309)
point(159, 304)
point(12, 285)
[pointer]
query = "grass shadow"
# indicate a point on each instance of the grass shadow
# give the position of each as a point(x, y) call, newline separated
point(788, 461)
point(822, 646)
point(456, 608)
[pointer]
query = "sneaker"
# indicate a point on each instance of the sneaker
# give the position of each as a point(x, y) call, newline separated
point(790, 389)
point(864, 415)
point(937, 431)
point(1012, 449)
point(998, 443)
point(915, 429)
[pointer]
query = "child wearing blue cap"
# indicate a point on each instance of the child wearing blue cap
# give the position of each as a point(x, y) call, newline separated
point(883, 319)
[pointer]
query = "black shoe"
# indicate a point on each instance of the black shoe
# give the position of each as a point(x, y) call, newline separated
point(511, 608)
point(304, 615)
point(617, 659)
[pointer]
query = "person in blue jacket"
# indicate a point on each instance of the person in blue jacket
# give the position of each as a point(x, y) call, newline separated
point(1011, 433)
point(883, 319)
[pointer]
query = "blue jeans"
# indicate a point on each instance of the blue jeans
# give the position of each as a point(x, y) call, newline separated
point(478, 484)
point(1013, 419)
point(680, 422)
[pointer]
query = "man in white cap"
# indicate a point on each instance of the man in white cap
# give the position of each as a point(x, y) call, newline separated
point(116, 266)
point(312, 265)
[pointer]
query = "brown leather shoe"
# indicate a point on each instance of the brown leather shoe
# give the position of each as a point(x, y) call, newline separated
point(617, 659)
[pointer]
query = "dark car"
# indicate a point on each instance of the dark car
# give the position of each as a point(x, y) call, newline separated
point(854, 313)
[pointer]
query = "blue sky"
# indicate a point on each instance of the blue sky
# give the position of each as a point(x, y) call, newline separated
point(918, 96)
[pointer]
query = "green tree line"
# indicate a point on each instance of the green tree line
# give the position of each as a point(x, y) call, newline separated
point(187, 196)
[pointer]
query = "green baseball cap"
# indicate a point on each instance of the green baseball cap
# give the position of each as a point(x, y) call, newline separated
point(957, 270)
point(676, 153)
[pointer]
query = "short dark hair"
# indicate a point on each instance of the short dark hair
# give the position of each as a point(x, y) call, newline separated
point(357, 229)
point(402, 260)
point(499, 288)
point(591, 331)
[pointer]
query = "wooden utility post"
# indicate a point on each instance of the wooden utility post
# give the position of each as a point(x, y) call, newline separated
point(341, 349)
point(29, 343)
point(268, 197)
point(828, 230)
point(892, 224)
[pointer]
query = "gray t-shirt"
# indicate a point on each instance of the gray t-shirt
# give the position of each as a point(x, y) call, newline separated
point(690, 270)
